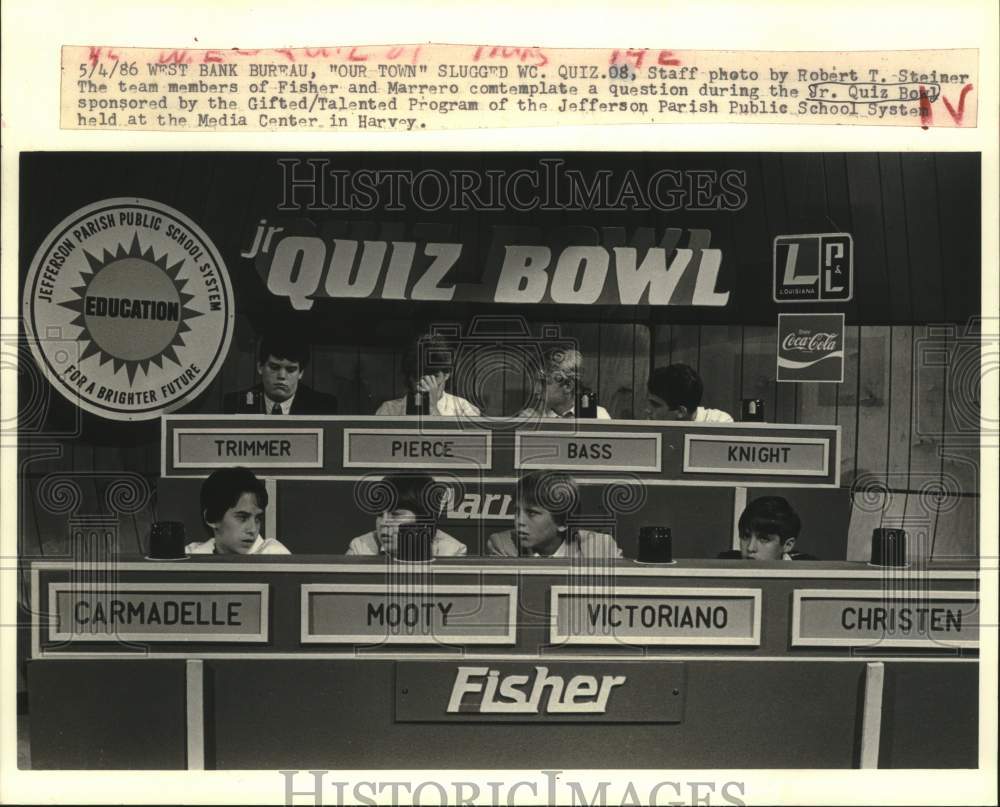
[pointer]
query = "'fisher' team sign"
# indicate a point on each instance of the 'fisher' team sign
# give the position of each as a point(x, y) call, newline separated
point(129, 309)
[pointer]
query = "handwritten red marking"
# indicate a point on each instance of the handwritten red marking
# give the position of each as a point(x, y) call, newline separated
point(667, 57)
point(176, 56)
point(354, 56)
point(242, 52)
point(926, 111)
point(634, 55)
point(394, 53)
point(312, 53)
point(957, 117)
point(286, 52)
point(95, 55)
point(212, 56)
point(520, 54)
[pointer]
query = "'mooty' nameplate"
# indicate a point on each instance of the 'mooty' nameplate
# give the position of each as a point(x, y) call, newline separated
point(410, 614)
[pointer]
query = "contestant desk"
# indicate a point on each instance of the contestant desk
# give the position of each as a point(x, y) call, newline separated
point(692, 477)
point(328, 662)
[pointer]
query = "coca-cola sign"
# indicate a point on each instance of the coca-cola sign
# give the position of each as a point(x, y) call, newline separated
point(811, 347)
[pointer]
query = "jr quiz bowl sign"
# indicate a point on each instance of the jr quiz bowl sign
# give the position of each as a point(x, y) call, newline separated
point(128, 309)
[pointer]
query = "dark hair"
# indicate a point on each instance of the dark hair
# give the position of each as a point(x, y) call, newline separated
point(678, 385)
point(418, 493)
point(284, 345)
point(222, 490)
point(770, 515)
point(554, 491)
point(426, 354)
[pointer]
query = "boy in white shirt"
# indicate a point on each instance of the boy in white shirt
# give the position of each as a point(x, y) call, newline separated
point(413, 498)
point(232, 506)
point(675, 394)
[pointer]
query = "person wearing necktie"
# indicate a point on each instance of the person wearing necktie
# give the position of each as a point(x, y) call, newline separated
point(557, 383)
point(281, 362)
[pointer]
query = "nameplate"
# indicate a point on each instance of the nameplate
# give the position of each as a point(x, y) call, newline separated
point(655, 616)
point(421, 448)
point(594, 451)
point(247, 447)
point(408, 614)
point(876, 619)
point(765, 456)
point(158, 612)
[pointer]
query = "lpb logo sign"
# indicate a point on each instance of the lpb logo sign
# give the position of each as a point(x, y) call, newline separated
point(813, 268)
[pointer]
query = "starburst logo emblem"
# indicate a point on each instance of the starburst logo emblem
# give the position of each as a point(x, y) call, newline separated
point(163, 308)
point(130, 308)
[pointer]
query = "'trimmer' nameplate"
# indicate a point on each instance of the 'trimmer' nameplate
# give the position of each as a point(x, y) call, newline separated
point(655, 616)
point(839, 618)
point(335, 613)
point(251, 448)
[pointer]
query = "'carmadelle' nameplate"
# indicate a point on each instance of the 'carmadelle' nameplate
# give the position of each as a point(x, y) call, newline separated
point(158, 612)
point(250, 448)
point(932, 619)
point(763, 456)
point(421, 448)
point(409, 614)
point(655, 616)
point(595, 451)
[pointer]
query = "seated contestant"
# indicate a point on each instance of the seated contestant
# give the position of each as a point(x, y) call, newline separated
point(768, 528)
point(281, 360)
point(427, 366)
point(413, 500)
point(545, 500)
point(675, 394)
point(232, 507)
point(556, 386)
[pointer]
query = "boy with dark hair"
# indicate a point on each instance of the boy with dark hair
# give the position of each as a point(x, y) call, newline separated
point(413, 498)
point(545, 502)
point(768, 529)
point(675, 394)
point(427, 365)
point(233, 501)
point(281, 361)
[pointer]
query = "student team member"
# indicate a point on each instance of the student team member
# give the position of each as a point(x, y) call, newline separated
point(768, 529)
point(281, 361)
point(413, 499)
point(545, 500)
point(232, 506)
point(556, 386)
point(675, 394)
point(427, 366)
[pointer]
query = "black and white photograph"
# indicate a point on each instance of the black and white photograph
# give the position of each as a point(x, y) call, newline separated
point(499, 460)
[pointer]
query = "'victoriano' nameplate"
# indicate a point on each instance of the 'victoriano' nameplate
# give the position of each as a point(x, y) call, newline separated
point(656, 616)
point(410, 614)
point(158, 612)
point(595, 451)
point(933, 619)
point(420, 448)
point(250, 448)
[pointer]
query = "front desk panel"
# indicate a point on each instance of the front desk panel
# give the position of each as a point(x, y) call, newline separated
point(690, 702)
